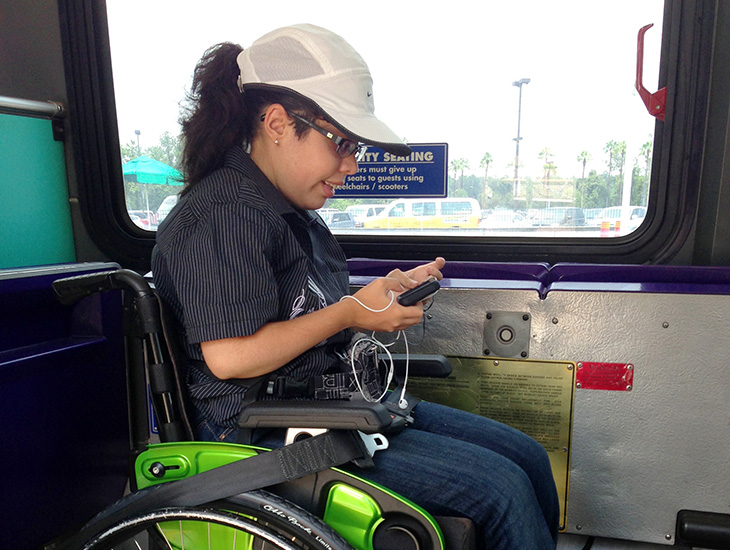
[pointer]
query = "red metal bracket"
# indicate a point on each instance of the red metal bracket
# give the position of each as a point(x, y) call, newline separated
point(656, 102)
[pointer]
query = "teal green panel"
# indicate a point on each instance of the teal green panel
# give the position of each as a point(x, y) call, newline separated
point(35, 218)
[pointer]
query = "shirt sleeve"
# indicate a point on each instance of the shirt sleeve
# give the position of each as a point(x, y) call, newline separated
point(226, 280)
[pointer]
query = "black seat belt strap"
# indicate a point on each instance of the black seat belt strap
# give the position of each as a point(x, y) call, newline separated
point(294, 461)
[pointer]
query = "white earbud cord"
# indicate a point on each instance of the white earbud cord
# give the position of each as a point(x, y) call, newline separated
point(392, 299)
point(402, 403)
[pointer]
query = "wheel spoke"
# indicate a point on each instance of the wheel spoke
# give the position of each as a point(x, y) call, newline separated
point(256, 520)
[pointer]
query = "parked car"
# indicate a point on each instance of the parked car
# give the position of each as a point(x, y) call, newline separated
point(164, 209)
point(136, 220)
point(592, 216)
point(425, 213)
point(337, 219)
point(362, 212)
point(557, 216)
point(502, 218)
point(146, 219)
point(630, 217)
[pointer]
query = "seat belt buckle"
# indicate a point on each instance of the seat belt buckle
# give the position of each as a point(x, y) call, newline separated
point(374, 442)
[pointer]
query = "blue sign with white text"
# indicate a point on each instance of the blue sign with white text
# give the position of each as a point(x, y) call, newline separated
point(382, 175)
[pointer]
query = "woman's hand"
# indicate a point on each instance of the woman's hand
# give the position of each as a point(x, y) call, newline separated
point(423, 272)
point(380, 296)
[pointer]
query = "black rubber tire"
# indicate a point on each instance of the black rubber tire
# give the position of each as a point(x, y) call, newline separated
point(274, 522)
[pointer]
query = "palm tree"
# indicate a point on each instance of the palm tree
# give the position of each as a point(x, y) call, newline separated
point(620, 155)
point(484, 163)
point(610, 148)
point(584, 157)
point(546, 155)
point(459, 165)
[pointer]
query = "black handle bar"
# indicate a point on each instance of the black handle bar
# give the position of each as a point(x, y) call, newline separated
point(71, 289)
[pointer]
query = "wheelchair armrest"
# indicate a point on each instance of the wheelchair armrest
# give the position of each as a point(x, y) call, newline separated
point(432, 366)
point(337, 415)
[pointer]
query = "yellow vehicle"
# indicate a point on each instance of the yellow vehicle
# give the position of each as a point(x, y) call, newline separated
point(427, 213)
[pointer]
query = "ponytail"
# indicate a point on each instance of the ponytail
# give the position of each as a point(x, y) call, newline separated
point(214, 119)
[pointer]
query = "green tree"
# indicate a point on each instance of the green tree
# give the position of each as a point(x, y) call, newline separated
point(458, 166)
point(646, 151)
point(583, 158)
point(610, 150)
point(484, 163)
point(169, 150)
point(549, 168)
point(472, 186)
point(502, 193)
point(594, 190)
point(620, 160)
point(129, 151)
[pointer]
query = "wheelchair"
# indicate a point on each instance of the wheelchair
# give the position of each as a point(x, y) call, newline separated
point(193, 495)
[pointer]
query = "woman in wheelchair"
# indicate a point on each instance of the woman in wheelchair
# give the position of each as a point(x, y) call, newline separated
point(256, 279)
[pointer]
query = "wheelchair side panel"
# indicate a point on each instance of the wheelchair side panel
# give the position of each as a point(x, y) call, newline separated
point(352, 506)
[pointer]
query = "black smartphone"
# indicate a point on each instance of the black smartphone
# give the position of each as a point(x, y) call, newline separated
point(420, 293)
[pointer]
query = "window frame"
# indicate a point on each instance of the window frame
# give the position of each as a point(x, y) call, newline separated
point(686, 51)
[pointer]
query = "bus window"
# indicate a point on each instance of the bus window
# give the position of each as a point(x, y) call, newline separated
point(551, 122)
point(424, 208)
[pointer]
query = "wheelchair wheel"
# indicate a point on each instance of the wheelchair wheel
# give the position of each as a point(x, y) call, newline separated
point(252, 521)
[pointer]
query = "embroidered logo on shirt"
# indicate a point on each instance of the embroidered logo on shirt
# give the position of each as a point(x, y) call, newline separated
point(307, 302)
point(303, 305)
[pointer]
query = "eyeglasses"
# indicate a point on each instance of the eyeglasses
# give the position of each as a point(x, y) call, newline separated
point(345, 147)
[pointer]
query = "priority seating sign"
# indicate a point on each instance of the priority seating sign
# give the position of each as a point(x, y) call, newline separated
point(382, 175)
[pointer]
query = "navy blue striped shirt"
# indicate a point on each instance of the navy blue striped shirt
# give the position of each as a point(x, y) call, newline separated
point(234, 255)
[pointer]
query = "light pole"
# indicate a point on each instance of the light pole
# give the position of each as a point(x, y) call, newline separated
point(519, 84)
point(139, 151)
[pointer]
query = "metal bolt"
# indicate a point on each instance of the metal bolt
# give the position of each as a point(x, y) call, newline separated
point(565, 449)
point(523, 354)
point(577, 385)
point(570, 367)
point(555, 320)
point(525, 317)
point(496, 363)
point(578, 527)
point(629, 387)
point(665, 324)
point(489, 315)
point(580, 365)
point(629, 367)
point(487, 352)
point(668, 537)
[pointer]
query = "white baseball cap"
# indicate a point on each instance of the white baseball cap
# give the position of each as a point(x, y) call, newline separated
point(321, 66)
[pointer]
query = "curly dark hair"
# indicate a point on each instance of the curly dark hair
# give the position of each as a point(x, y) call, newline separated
point(217, 116)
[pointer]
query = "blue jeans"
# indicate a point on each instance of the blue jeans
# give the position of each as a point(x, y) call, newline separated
point(454, 463)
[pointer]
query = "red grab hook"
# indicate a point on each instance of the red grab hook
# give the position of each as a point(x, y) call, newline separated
point(656, 102)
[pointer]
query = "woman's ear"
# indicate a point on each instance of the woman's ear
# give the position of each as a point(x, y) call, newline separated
point(276, 122)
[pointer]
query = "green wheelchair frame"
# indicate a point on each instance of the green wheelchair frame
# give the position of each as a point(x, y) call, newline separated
point(331, 508)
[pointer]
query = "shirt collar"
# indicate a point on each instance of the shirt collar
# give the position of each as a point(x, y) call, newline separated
point(240, 161)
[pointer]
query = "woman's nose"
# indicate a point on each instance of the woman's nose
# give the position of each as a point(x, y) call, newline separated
point(349, 165)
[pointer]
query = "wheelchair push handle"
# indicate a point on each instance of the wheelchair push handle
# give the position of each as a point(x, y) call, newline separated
point(71, 289)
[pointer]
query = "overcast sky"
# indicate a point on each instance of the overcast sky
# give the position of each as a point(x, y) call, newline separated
point(440, 76)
